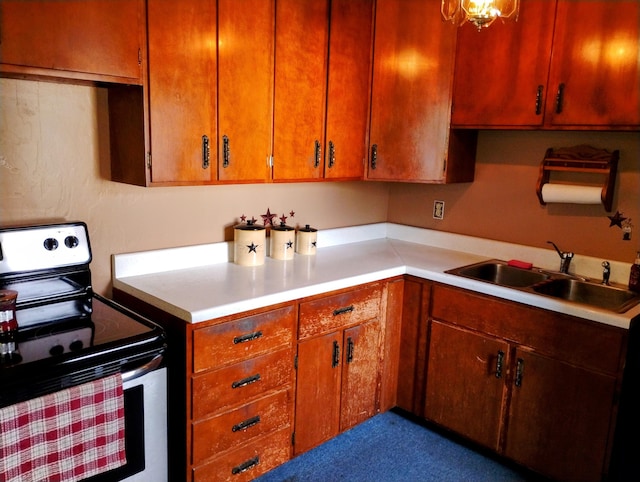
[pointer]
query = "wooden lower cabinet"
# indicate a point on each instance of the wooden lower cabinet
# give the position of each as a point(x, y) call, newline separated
point(538, 387)
point(339, 364)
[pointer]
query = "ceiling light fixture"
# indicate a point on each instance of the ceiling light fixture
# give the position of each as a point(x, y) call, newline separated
point(481, 13)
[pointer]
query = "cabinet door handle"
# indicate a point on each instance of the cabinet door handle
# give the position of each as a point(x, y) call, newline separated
point(248, 337)
point(318, 153)
point(205, 152)
point(225, 151)
point(499, 362)
point(250, 422)
point(244, 466)
point(342, 311)
point(332, 154)
point(374, 156)
point(559, 99)
point(519, 371)
point(336, 355)
point(349, 350)
point(246, 381)
point(539, 100)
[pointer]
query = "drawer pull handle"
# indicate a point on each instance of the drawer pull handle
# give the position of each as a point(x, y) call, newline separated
point(519, 370)
point(336, 355)
point(349, 350)
point(539, 100)
point(246, 381)
point(248, 337)
point(499, 362)
point(560, 99)
point(250, 422)
point(244, 466)
point(341, 311)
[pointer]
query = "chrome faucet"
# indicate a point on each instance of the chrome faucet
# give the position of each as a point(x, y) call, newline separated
point(606, 272)
point(565, 258)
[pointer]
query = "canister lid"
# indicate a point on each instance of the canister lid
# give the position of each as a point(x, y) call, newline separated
point(249, 226)
point(307, 229)
point(282, 227)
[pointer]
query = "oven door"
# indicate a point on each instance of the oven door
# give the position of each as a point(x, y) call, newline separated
point(145, 406)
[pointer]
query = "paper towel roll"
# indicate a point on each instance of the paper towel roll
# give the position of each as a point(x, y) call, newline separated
point(571, 193)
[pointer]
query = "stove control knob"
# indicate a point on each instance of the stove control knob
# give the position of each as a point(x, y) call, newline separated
point(76, 345)
point(71, 241)
point(56, 350)
point(51, 244)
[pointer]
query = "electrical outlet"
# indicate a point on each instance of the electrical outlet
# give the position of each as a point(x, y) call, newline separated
point(438, 209)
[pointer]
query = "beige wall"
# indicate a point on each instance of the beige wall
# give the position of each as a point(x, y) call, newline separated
point(54, 165)
point(502, 204)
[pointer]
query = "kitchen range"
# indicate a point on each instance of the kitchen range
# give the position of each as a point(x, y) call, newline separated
point(72, 347)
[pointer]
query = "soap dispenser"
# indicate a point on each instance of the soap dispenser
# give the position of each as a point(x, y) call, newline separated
point(634, 275)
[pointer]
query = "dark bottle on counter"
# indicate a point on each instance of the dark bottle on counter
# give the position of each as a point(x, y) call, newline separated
point(634, 275)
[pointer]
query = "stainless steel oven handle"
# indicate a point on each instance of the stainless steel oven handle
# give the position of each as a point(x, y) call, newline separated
point(144, 369)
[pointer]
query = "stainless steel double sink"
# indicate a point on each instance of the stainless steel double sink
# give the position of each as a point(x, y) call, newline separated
point(548, 283)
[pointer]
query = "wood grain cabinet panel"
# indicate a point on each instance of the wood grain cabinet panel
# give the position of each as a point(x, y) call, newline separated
point(538, 387)
point(246, 43)
point(575, 75)
point(231, 342)
point(247, 462)
point(413, 62)
point(302, 36)
point(93, 40)
point(340, 351)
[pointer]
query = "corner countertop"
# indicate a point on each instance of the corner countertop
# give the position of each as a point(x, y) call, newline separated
point(200, 283)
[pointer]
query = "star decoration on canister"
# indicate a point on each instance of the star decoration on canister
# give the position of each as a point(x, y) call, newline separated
point(616, 219)
point(252, 247)
point(268, 217)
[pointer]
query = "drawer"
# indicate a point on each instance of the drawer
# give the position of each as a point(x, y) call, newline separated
point(248, 462)
point(588, 344)
point(238, 427)
point(337, 311)
point(237, 384)
point(240, 339)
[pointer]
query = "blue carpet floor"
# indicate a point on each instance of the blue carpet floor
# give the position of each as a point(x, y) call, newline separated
point(390, 448)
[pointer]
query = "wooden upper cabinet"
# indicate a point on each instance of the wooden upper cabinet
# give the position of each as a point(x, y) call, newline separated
point(94, 40)
point(246, 38)
point(349, 88)
point(300, 89)
point(501, 72)
point(411, 99)
point(595, 65)
point(182, 90)
point(562, 65)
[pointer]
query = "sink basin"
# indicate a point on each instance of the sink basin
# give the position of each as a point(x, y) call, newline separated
point(597, 295)
point(501, 273)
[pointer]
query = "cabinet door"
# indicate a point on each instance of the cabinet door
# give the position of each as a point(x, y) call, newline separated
point(73, 39)
point(360, 374)
point(182, 90)
point(559, 418)
point(246, 37)
point(500, 75)
point(349, 85)
point(318, 391)
point(411, 99)
point(595, 67)
point(465, 382)
point(300, 91)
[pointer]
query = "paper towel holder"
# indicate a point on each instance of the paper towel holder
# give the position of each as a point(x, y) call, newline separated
point(581, 159)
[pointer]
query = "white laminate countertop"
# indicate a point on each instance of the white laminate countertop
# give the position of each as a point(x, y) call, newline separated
point(200, 283)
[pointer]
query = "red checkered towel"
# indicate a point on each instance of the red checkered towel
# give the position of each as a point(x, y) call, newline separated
point(65, 436)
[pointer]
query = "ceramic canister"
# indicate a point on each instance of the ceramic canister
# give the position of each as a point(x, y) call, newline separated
point(306, 240)
point(282, 242)
point(249, 244)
